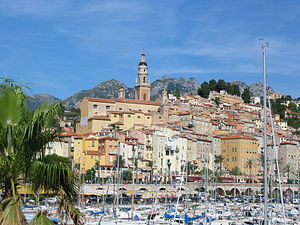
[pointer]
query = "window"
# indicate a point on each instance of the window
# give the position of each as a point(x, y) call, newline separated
point(140, 110)
point(148, 117)
point(139, 117)
point(144, 98)
point(95, 106)
point(107, 107)
point(129, 116)
point(120, 109)
point(144, 79)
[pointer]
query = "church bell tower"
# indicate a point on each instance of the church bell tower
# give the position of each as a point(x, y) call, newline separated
point(143, 87)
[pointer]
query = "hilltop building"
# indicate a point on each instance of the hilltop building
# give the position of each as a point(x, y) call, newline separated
point(100, 113)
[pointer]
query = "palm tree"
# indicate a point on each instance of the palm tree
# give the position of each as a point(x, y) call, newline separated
point(236, 171)
point(119, 163)
point(219, 160)
point(97, 167)
point(250, 164)
point(288, 169)
point(24, 136)
point(150, 164)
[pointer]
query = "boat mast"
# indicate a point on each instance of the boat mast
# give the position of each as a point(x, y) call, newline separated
point(264, 46)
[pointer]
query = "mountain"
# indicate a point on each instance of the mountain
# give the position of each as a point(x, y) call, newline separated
point(184, 85)
point(256, 88)
point(107, 89)
point(36, 100)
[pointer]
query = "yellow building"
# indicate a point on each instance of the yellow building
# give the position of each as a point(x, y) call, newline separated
point(100, 113)
point(238, 150)
point(225, 97)
point(89, 150)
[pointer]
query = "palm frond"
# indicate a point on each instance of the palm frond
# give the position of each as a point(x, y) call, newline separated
point(55, 178)
point(41, 219)
point(66, 206)
point(10, 211)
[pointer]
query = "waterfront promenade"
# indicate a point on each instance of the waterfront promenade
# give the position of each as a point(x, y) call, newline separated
point(190, 188)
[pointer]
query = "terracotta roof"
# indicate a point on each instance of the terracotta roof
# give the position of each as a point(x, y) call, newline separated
point(99, 118)
point(117, 123)
point(239, 137)
point(287, 143)
point(127, 142)
point(66, 134)
point(107, 138)
point(78, 137)
point(294, 113)
point(205, 140)
point(91, 139)
point(132, 138)
point(93, 153)
point(113, 100)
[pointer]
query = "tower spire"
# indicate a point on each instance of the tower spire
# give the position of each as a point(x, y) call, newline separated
point(142, 88)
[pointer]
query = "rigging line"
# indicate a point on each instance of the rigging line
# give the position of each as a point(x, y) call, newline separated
point(276, 160)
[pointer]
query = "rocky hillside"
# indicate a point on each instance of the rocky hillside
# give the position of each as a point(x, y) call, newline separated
point(256, 88)
point(107, 89)
point(184, 85)
point(36, 100)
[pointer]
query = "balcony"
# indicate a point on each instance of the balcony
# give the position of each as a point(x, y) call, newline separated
point(112, 152)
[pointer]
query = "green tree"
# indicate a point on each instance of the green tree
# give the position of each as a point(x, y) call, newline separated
point(90, 175)
point(246, 96)
point(127, 175)
point(191, 167)
point(293, 122)
point(54, 159)
point(219, 159)
point(293, 107)
point(288, 169)
point(177, 93)
point(217, 101)
point(250, 164)
point(229, 88)
point(98, 168)
point(150, 165)
point(236, 90)
point(212, 85)
point(121, 163)
point(236, 171)
point(204, 90)
point(24, 136)
point(221, 85)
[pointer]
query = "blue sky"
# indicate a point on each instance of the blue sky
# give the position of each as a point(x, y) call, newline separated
point(64, 46)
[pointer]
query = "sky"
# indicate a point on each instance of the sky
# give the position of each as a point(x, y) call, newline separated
point(60, 47)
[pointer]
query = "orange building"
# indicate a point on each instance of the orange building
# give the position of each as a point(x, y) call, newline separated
point(89, 150)
point(238, 150)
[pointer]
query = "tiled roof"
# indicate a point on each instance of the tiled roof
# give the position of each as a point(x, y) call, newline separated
point(99, 118)
point(66, 134)
point(239, 137)
point(93, 153)
point(113, 100)
point(287, 143)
